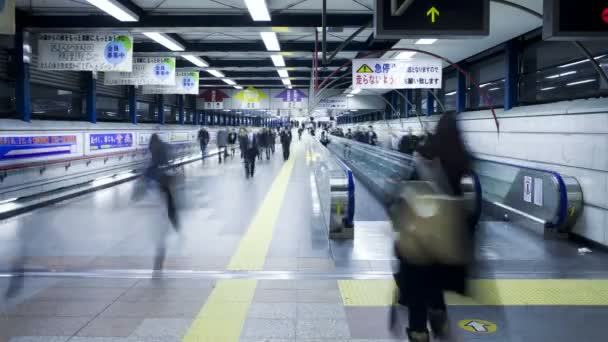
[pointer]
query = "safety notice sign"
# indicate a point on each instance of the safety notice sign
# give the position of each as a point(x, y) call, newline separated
point(397, 74)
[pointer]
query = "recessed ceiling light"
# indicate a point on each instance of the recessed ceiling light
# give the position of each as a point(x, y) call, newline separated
point(165, 40)
point(581, 82)
point(258, 10)
point(115, 9)
point(228, 81)
point(216, 73)
point(286, 81)
point(405, 55)
point(355, 91)
point(196, 61)
point(283, 73)
point(238, 87)
point(271, 41)
point(278, 60)
point(426, 41)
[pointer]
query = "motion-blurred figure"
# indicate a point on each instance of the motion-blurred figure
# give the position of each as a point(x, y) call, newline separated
point(203, 138)
point(251, 150)
point(286, 142)
point(435, 244)
point(372, 137)
point(222, 144)
point(324, 138)
point(242, 141)
point(349, 134)
point(232, 140)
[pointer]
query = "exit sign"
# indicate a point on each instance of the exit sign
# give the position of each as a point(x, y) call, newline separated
point(575, 19)
point(398, 19)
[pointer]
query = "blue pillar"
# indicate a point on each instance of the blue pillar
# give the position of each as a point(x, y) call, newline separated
point(91, 97)
point(511, 74)
point(180, 109)
point(461, 93)
point(160, 102)
point(132, 105)
point(409, 95)
point(22, 90)
point(430, 103)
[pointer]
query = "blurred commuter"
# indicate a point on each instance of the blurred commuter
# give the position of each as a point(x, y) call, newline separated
point(300, 131)
point(232, 140)
point(242, 141)
point(222, 144)
point(324, 138)
point(203, 138)
point(273, 140)
point(286, 142)
point(408, 143)
point(261, 140)
point(372, 137)
point(250, 142)
point(268, 142)
point(435, 245)
point(349, 134)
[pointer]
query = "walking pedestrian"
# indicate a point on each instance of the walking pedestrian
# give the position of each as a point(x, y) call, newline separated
point(286, 142)
point(203, 138)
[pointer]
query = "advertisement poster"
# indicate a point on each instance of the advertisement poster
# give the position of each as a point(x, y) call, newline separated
point(85, 52)
point(7, 17)
point(397, 74)
point(146, 71)
point(109, 141)
point(16, 149)
point(334, 102)
point(186, 82)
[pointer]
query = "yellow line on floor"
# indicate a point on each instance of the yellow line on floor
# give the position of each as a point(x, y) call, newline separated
point(252, 250)
point(223, 315)
point(491, 292)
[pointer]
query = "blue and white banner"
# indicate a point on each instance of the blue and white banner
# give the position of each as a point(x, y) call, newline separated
point(7, 17)
point(35, 147)
point(146, 71)
point(186, 82)
point(101, 143)
point(85, 52)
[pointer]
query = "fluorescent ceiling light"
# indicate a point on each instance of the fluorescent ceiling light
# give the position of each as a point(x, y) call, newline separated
point(271, 41)
point(238, 87)
point(278, 60)
point(196, 61)
point(548, 88)
point(258, 10)
point(350, 95)
point(228, 81)
point(485, 84)
point(450, 93)
point(226, 110)
point(579, 62)
point(216, 73)
point(289, 87)
point(115, 9)
point(286, 81)
point(283, 73)
point(561, 75)
point(581, 82)
point(426, 41)
point(492, 89)
point(165, 40)
point(405, 54)
point(356, 91)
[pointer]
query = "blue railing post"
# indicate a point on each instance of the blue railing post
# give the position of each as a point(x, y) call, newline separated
point(430, 103)
point(22, 91)
point(180, 108)
point(511, 74)
point(160, 102)
point(461, 93)
point(408, 104)
point(132, 105)
point(91, 97)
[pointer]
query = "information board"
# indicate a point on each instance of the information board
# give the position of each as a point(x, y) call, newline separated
point(431, 19)
point(397, 74)
point(146, 71)
point(34, 147)
point(186, 82)
point(85, 52)
point(575, 20)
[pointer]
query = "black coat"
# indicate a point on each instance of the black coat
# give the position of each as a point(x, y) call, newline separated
point(286, 138)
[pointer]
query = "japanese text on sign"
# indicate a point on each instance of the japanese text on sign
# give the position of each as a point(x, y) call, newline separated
point(186, 82)
point(85, 52)
point(27, 147)
point(146, 71)
point(110, 141)
point(397, 74)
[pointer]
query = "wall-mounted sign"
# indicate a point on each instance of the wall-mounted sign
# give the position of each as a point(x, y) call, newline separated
point(250, 98)
point(146, 71)
point(334, 102)
point(7, 16)
point(36, 147)
point(109, 141)
point(186, 82)
point(214, 98)
point(398, 19)
point(575, 20)
point(397, 74)
point(85, 52)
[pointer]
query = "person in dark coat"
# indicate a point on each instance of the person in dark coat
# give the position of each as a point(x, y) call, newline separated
point(286, 142)
point(261, 140)
point(372, 137)
point(250, 142)
point(232, 140)
point(421, 286)
point(222, 144)
point(203, 139)
point(408, 143)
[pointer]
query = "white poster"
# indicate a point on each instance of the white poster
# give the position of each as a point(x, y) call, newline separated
point(85, 52)
point(397, 74)
point(146, 71)
point(7, 17)
point(538, 192)
point(528, 189)
point(334, 102)
point(186, 82)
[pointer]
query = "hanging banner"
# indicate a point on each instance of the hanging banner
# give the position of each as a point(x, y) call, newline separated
point(334, 102)
point(251, 98)
point(85, 52)
point(214, 98)
point(146, 71)
point(290, 99)
point(7, 17)
point(397, 74)
point(186, 82)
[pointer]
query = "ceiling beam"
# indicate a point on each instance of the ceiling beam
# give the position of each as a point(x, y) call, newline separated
point(258, 46)
point(173, 23)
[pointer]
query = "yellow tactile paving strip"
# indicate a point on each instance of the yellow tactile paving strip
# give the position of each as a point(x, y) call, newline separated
point(223, 315)
point(491, 292)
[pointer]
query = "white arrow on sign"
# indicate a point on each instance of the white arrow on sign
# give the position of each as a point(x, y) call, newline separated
point(477, 326)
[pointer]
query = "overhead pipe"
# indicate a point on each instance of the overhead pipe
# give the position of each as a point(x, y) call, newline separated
point(347, 41)
point(316, 59)
point(324, 28)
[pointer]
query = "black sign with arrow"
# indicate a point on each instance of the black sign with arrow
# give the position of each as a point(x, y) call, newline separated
point(575, 19)
point(395, 19)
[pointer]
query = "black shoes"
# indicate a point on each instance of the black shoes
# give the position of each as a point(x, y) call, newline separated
point(418, 336)
point(439, 324)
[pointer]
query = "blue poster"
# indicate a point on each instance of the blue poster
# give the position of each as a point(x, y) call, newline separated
point(23, 147)
point(108, 141)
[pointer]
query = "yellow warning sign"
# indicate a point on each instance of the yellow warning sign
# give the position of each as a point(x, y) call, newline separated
point(478, 326)
point(365, 69)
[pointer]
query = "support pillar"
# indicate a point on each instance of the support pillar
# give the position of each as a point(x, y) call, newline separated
point(461, 93)
point(511, 74)
point(180, 109)
point(22, 86)
point(91, 97)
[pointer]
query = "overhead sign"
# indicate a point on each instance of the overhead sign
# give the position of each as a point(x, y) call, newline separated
point(575, 20)
point(186, 82)
point(214, 98)
point(146, 71)
point(85, 52)
point(398, 19)
point(397, 74)
point(334, 102)
point(291, 98)
point(250, 98)
point(7, 16)
point(478, 326)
